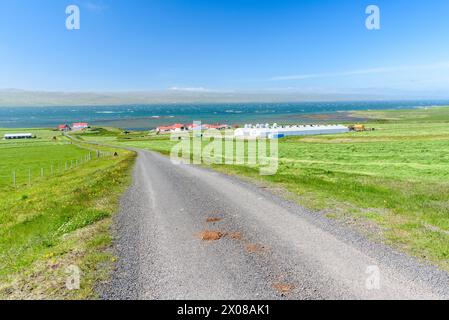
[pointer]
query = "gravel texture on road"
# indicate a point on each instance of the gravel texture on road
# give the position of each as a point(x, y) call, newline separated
point(185, 232)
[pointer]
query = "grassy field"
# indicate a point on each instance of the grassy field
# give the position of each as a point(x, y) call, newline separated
point(61, 220)
point(49, 154)
point(391, 183)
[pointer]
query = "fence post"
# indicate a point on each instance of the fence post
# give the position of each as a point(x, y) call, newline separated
point(29, 176)
point(42, 172)
point(51, 169)
point(14, 178)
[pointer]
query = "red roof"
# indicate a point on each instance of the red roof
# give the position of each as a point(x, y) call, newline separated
point(175, 126)
point(163, 128)
point(63, 126)
point(192, 125)
point(80, 124)
point(208, 126)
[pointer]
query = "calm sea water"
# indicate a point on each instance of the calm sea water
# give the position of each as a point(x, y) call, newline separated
point(139, 117)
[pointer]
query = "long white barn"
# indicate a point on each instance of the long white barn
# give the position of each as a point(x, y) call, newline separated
point(18, 136)
point(274, 131)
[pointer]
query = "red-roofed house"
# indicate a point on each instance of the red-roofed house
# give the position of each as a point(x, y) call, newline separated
point(80, 126)
point(64, 127)
point(206, 126)
point(174, 128)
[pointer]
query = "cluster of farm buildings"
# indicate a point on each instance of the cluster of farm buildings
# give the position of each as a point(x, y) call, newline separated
point(178, 127)
point(75, 126)
point(271, 131)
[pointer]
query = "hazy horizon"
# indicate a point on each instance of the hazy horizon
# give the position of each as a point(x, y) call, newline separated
point(24, 98)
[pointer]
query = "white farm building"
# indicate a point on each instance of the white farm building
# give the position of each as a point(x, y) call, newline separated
point(275, 131)
point(18, 136)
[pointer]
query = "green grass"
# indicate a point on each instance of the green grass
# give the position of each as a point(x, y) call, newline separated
point(392, 183)
point(60, 220)
point(23, 160)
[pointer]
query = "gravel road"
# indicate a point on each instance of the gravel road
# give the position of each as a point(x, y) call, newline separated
point(263, 247)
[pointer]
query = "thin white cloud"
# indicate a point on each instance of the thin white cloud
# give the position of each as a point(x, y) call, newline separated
point(190, 89)
point(379, 70)
point(199, 89)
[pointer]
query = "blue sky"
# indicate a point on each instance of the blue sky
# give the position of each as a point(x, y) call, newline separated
point(225, 45)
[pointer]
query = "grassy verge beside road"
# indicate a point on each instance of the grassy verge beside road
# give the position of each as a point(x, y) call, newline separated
point(61, 220)
point(391, 183)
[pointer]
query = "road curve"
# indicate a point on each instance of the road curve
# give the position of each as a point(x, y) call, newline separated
point(270, 248)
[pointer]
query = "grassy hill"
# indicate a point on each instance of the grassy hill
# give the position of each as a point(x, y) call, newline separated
point(62, 219)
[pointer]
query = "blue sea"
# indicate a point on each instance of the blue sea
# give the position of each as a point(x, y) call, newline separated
point(142, 117)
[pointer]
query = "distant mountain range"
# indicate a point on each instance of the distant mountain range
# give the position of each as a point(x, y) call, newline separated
point(23, 98)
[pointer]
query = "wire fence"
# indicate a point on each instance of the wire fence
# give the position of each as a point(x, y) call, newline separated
point(32, 175)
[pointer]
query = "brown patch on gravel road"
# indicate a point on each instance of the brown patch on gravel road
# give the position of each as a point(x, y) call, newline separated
point(213, 219)
point(283, 288)
point(211, 235)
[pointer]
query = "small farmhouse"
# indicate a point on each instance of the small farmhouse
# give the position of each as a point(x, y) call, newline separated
point(80, 126)
point(64, 127)
point(173, 128)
